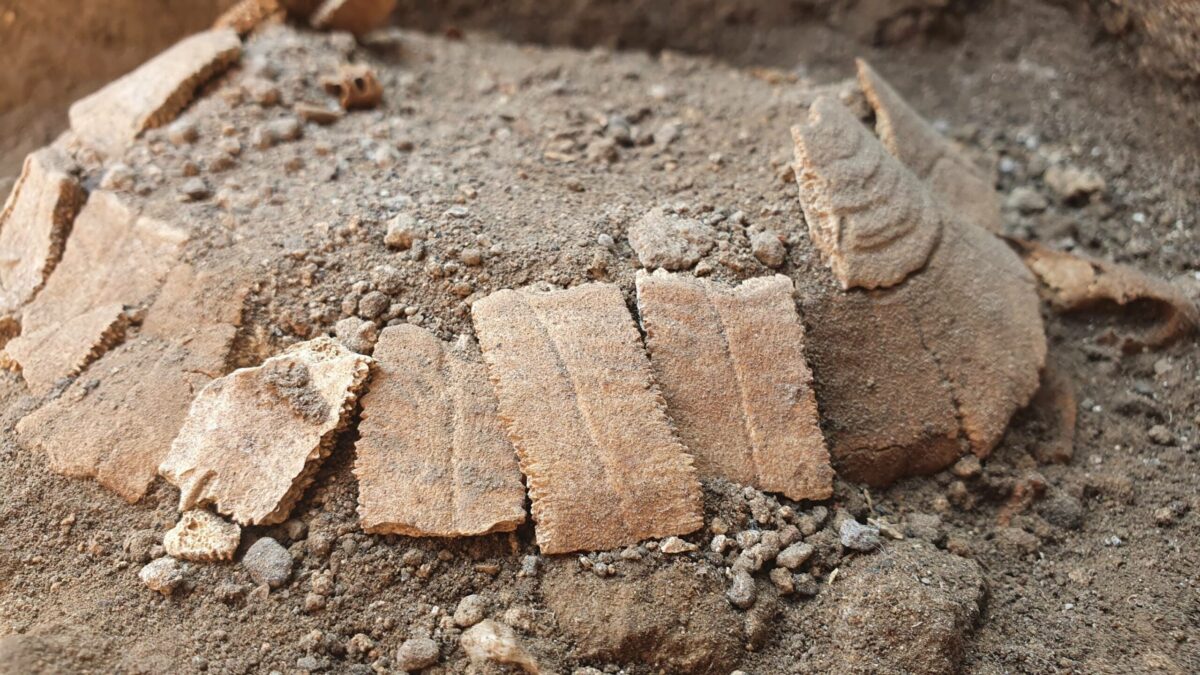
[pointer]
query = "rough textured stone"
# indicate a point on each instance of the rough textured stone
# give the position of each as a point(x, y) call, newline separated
point(964, 188)
point(163, 575)
point(668, 618)
point(491, 642)
point(670, 241)
point(199, 535)
point(154, 93)
point(731, 366)
point(576, 393)
point(909, 609)
point(432, 459)
point(417, 653)
point(254, 438)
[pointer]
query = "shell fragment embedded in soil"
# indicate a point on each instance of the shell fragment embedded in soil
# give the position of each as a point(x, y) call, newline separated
point(34, 225)
point(116, 421)
point(949, 355)
point(872, 219)
point(355, 16)
point(731, 366)
point(577, 396)
point(1077, 283)
point(432, 458)
point(952, 176)
point(154, 93)
point(254, 438)
point(113, 259)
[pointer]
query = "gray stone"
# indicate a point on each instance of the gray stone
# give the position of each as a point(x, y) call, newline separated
point(163, 575)
point(794, 556)
point(268, 562)
point(742, 593)
point(858, 537)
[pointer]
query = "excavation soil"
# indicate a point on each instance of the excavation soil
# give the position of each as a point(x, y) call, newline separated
point(499, 153)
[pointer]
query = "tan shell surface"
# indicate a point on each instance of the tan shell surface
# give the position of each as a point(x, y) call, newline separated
point(114, 259)
point(117, 420)
point(34, 225)
point(154, 93)
point(432, 458)
point(730, 362)
point(578, 399)
point(872, 219)
point(961, 185)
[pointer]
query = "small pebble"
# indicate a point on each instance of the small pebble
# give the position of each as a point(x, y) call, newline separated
point(195, 189)
point(858, 537)
point(268, 562)
point(742, 593)
point(794, 556)
point(416, 653)
point(767, 248)
point(470, 611)
point(163, 575)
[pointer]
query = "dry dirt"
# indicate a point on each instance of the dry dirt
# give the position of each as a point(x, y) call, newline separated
point(497, 153)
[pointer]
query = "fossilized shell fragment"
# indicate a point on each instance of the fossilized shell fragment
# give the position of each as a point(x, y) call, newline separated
point(356, 16)
point(911, 376)
point(199, 535)
point(871, 218)
point(355, 86)
point(578, 400)
point(253, 439)
point(247, 15)
point(432, 459)
point(34, 225)
point(1074, 283)
point(966, 190)
point(154, 93)
point(731, 366)
point(114, 259)
point(116, 422)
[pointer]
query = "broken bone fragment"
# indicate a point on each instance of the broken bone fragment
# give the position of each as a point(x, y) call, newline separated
point(253, 439)
point(1078, 283)
point(872, 219)
point(949, 355)
point(153, 94)
point(116, 422)
point(577, 396)
point(962, 186)
point(432, 457)
point(670, 241)
point(201, 536)
point(113, 260)
point(355, 86)
point(34, 224)
point(491, 642)
point(354, 16)
point(731, 366)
